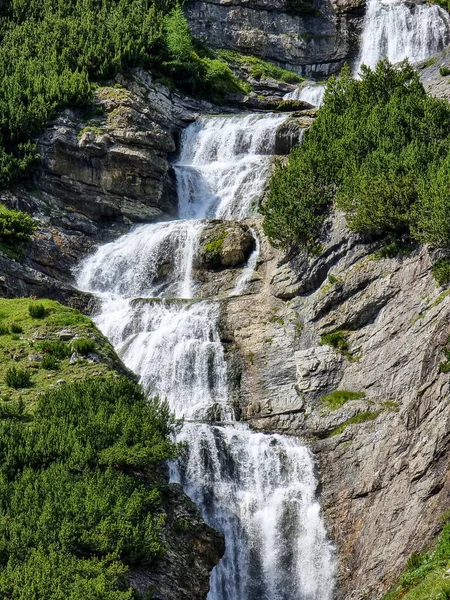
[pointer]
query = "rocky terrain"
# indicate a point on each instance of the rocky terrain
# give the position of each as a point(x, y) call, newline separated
point(382, 457)
point(313, 42)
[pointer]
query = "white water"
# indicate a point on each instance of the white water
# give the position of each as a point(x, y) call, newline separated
point(223, 165)
point(258, 489)
point(312, 93)
point(393, 30)
point(244, 279)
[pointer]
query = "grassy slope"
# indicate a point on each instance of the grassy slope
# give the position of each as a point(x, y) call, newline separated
point(16, 349)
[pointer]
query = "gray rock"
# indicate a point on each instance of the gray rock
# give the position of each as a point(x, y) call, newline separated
point(65, 335)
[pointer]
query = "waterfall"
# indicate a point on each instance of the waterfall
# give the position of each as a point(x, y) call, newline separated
point(244, 279)
point(223, 165)
point(312, 93)
point(258, 489)
point(395, 30)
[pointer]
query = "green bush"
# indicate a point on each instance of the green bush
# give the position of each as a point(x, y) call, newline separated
point(37, 311)
point(16, 328)
point(335, 339)
point(81, 488)
point(18, 378)
point(441, 271)
point(379, 149)
point(52, 51)
point(55, 348)
point(49, 362)
point(83, 345)
point(4, 330)
point(444, 71)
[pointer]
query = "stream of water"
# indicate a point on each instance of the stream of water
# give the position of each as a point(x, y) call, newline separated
point(259, 490)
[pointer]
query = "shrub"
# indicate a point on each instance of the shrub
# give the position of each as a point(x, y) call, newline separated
point(335, 339)
point(339, 397)
point(49, 362)
point(55, 348)
point(52, 51)
point(83, 345)
point(390, 174)
point(79, 507)
point(16, 227)
point(444, 71)
point(4, 330)
point(18, 378)
point(16, 328)
point(441, 271)
point(37, 311)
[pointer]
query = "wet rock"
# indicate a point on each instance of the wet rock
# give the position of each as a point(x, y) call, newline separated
point(291, 131)
point(224, 244)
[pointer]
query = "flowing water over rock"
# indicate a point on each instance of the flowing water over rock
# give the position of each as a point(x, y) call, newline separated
point(259, 490)
point(395, 30)
point(311, 93)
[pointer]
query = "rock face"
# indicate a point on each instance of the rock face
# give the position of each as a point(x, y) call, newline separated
point(314, 45)
point(193, 549)
point(383, 458)
point(100, 171)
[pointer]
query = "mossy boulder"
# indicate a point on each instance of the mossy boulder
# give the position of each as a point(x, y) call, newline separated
point(224, 245)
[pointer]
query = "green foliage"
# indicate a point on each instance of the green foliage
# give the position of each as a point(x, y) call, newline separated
point(52, 51)
point(212, 249)
point(424, 576)
point(441, 271)
point(16, 328)
point(4, 330)
point(444, 71)
point(339, 397)
point(16, 228)
point(37, 311)
point(361, 418)
point(83, 345)
point(379, 150)
point(258, 68)
point(18, 378)
point(75, 508)
point(337, 340)
point(55, 348)
point(49, 362)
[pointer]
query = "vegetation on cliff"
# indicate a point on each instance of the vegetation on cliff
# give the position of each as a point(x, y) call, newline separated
point(52, 51)
point(82, 495)
point(426, 576)
point(379, 150)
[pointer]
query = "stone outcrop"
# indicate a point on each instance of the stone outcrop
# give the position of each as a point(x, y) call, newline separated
point(435, 75)
point(315, 44)
point(193, 549)
point(383, 458)
point(100, 170)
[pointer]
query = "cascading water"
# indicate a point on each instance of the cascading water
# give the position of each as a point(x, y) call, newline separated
point(395, 30)
point(312, 93)
point(259, 490)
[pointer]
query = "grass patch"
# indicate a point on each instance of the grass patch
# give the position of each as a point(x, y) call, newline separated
point(37, 311)
point(338, 341)
point(83, 345)
point(339, 397)
point(423, 578)
point(361, 418)
point(444, 71)
point(258, 68)
point(41, 336)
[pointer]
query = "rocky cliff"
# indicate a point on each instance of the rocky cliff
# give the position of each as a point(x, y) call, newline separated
point(100, 170)
point(313, 41)
point(382, 455)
